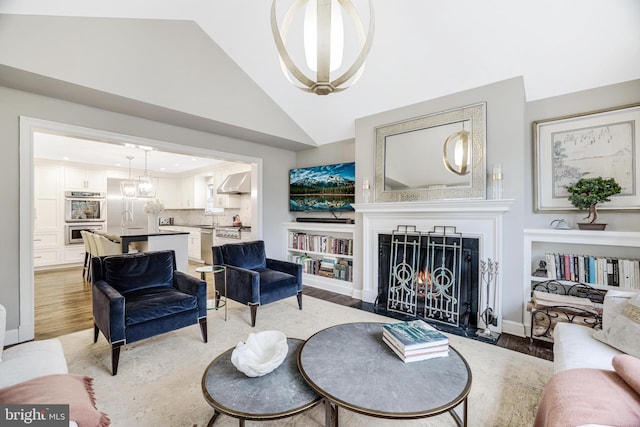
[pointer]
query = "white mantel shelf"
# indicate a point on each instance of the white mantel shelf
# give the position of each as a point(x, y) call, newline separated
point(465, 205)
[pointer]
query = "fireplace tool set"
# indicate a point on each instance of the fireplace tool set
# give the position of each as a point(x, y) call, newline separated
point(489, 275)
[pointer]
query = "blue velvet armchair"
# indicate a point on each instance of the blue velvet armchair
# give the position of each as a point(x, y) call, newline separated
point(137, 296)
point(254, 279)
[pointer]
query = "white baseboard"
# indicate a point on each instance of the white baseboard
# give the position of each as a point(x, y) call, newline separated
point(513, 328)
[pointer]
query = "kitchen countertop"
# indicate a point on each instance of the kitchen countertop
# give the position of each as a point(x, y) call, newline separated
point(209, 227)
point(140, 232)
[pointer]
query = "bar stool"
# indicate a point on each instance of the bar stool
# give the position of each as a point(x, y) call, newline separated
point(86, 268)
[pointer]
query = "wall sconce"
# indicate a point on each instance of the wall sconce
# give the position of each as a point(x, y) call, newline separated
point(365, 190)
point(496, 181)
point(458, 147)
point(324, 44)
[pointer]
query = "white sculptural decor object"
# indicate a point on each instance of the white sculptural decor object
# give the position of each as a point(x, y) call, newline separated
point(262, 353)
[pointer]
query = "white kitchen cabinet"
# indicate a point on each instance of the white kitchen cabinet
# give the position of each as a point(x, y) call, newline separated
point(194, 245)
point(74, 253)
point(194, 250)
point(46, 257)
point(46, 182)
point(47, 199)
point(46, 248)
point(47, 215)
point(167, 192)
point(192, 192)
point(47, 225)
point(46, 240)
point(85, 179)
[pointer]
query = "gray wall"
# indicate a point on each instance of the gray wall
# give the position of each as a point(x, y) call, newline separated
point(338, 152)
point(276, 164)
point(181, 78)
point(509, 141)
point(505, 143)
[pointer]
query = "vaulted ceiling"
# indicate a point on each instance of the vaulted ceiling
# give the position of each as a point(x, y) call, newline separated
point(213, 65)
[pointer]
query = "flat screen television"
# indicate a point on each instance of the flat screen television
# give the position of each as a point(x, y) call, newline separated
point(322, 188)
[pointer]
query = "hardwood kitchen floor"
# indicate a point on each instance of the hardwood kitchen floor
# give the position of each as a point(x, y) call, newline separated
point(63, 306)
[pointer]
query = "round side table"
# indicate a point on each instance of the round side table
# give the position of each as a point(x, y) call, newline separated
point(211, 304)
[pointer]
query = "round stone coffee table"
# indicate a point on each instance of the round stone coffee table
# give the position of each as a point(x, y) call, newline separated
point(353, 368)
point(278, 394)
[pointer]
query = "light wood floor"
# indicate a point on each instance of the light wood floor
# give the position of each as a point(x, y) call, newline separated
point(63, 306)
point(63, 301)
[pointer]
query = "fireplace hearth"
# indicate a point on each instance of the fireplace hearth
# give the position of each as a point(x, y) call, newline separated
point(432, 276)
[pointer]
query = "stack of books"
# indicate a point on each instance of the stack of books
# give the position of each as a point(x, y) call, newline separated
point(415, 340)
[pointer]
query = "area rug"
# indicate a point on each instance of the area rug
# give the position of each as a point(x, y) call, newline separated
point(159, 379)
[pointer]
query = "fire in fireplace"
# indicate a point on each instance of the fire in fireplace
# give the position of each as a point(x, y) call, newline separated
point(433, 275)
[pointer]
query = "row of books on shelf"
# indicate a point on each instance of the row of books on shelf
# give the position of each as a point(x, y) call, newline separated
point(624, 273)
point(415, 340)
point(334, 268)
point(320, 243)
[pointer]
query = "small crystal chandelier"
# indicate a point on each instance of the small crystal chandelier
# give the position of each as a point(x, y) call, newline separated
point(324, 44)
point(147, 185)
point(128, 188)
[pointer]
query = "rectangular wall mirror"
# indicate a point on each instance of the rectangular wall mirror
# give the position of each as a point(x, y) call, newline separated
point(437, 156)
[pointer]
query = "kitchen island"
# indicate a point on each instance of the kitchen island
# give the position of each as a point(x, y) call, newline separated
point(143, 240)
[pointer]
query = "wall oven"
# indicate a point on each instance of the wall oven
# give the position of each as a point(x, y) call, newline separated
point(84, 206)
point(72, 234)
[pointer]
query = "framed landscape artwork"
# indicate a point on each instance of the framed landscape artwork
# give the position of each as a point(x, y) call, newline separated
point(601, 143)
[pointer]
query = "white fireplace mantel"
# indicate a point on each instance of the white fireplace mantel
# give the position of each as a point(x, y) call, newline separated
point(482, 219)
point(440, 206)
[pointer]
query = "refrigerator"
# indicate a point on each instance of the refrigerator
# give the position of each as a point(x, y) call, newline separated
point(118, 208)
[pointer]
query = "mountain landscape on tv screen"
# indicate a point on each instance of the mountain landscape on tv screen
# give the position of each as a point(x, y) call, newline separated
point(322, 188)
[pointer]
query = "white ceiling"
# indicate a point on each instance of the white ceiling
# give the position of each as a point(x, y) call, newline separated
point(422, 49)
point(113, 155)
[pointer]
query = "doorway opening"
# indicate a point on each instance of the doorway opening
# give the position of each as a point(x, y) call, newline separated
point(29, 127)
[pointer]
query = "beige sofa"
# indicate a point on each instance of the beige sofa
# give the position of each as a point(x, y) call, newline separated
point(596, 382)
point(36, 372)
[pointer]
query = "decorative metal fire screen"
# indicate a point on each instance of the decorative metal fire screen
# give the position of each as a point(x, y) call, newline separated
point(403, 270)
point(426, 276)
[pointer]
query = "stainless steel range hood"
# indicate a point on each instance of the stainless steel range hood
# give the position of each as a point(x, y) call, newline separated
point(237, 183)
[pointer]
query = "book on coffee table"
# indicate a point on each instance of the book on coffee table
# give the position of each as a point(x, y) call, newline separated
point(414, 334)
point(418, 354)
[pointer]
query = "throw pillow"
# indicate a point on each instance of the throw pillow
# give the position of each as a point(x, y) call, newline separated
point(624, 331)
point(74, 390)
point(628, 368)
point(614, 302)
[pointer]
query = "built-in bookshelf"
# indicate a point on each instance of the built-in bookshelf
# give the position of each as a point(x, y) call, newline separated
point(581, 256)
point(325, 252)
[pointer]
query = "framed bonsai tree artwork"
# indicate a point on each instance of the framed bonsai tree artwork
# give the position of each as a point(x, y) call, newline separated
point(589, 145)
